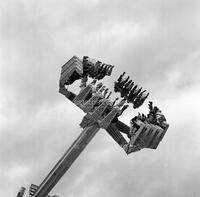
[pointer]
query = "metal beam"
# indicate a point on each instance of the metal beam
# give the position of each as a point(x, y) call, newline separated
point(66, 161)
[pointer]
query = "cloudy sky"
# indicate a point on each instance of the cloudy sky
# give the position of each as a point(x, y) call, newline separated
point(156, 42)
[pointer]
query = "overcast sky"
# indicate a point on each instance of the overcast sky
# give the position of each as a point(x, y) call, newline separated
point(156, 42)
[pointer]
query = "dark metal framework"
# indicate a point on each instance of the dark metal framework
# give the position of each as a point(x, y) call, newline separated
point(101, 112)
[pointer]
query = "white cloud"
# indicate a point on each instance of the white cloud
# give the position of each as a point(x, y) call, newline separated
point(156, 42)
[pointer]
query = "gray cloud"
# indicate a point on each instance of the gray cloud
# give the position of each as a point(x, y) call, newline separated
point(156, 42)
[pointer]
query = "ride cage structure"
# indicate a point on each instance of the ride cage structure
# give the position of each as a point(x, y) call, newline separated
point(145, 131)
